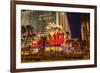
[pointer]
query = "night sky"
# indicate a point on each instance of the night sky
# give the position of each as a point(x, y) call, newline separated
point(75, 24)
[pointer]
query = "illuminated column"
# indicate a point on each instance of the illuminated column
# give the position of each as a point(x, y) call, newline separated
point(62, 20)
point(57, 18)
point(66, 25)
point(85, 30)
point(82, 31)
point(87, 24)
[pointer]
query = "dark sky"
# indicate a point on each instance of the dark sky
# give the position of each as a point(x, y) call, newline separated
point(75, 24)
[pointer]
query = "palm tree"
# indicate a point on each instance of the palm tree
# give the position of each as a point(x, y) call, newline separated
point(43, 43)
point(23, 29)
point(23, 37)
point(29, 31)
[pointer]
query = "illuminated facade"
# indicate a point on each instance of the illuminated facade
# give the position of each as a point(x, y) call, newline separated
point(49, 35)
point(62, 20)
point(85, 29)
